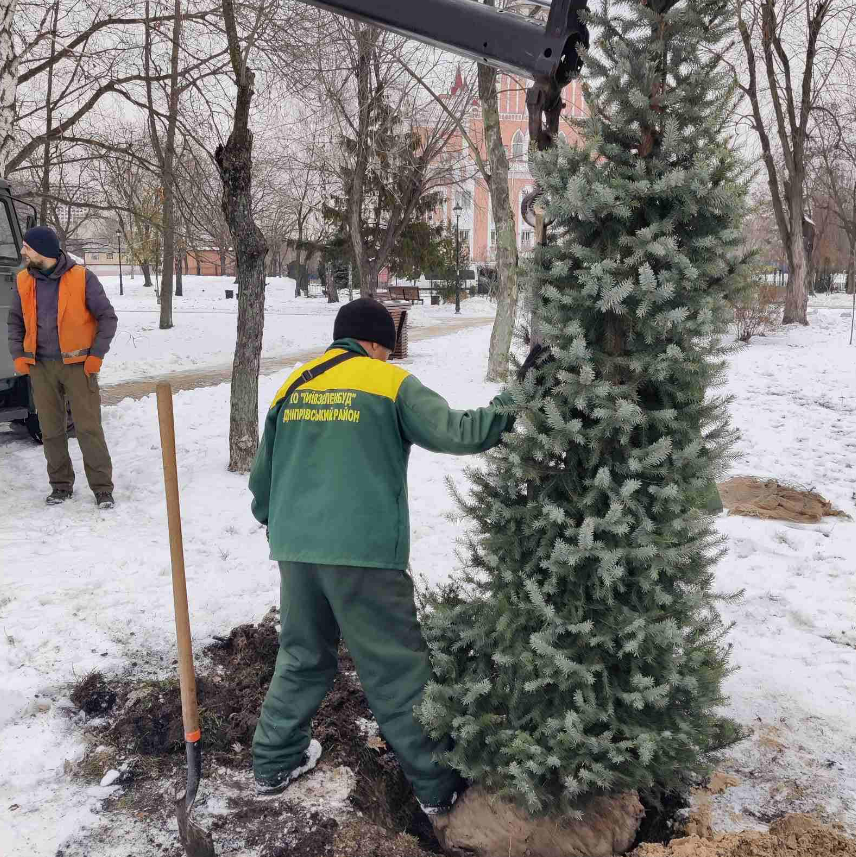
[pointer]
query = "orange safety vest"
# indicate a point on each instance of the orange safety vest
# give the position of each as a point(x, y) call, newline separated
point(76, 325)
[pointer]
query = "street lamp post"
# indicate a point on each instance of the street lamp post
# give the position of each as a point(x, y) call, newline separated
point(119, 239)
point(457, 209)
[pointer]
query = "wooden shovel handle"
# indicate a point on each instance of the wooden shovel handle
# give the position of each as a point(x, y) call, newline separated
point(186, 675)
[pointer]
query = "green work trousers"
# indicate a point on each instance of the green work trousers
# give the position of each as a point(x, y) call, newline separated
point(53, 382)
point(374, 612)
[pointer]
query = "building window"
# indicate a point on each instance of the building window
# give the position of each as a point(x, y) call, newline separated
point(109, 257)
point(95, 257)
point(518, 145)
point(526, 238)
point(493, 237)
point(465, 236)
point(76, 214)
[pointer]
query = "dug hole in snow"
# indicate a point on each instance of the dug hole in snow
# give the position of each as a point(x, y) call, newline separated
point(87, 590)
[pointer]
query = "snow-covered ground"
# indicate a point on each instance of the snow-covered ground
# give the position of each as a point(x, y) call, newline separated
point(84, 590)
point(205, 321)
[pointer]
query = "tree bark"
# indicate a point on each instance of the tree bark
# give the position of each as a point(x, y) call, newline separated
point(506, 237)
point(179, 277)
point(146, 268)
point(796, 294)
point(851, 266)
point(234, 160)
point(366, 39)
point(168, 178)
point(8, 82)
point(46, 154)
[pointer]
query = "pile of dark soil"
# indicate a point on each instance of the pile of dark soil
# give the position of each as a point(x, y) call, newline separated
point(147, 722)
point(92, 695)
point(662, 811)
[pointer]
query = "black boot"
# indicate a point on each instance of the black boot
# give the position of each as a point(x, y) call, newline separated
point(57, 496)
point(104, 500)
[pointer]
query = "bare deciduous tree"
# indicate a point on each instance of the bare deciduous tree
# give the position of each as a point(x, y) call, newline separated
point(387, 129)
point(798, 44)
point(235, 162)
point(165, 154)
point(837, 146)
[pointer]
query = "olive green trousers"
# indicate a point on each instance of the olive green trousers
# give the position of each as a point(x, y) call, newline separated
point(373, 611)
point(53, 382)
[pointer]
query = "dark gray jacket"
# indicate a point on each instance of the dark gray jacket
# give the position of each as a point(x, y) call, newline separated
point(47, 307)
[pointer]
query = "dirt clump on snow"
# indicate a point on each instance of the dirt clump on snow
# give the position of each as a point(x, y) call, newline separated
point(359, 839)
point(768, 498)
point(791, 836)
point(92, 695)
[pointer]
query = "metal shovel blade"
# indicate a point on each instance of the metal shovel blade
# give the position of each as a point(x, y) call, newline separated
point(195, 841)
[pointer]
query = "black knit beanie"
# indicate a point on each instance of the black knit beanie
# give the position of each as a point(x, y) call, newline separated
point(43, 240)
point(366, 319)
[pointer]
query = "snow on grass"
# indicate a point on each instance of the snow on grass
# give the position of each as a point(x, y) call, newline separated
point(85, 589)
point(205, 324)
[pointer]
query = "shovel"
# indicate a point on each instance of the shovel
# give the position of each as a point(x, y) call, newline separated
point(196, 842)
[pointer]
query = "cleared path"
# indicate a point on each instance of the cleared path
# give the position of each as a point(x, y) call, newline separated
point(111, 394)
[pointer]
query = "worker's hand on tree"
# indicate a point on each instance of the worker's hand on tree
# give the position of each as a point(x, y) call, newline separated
point(92, 365)
point(531, 359)
point(21, 366)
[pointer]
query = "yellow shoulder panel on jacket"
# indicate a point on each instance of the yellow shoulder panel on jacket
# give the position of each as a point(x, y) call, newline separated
point(296, 373)
point(362, 374)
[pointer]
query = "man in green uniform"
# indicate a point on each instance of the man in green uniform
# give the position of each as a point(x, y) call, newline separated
point(330, 483)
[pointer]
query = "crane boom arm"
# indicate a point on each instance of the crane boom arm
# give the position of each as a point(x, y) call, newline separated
point(546, 53)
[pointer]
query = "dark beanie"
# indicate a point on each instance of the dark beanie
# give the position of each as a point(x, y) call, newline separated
point(366, 319)
point(43, 240)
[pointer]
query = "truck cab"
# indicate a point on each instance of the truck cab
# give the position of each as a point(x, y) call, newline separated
point(16, 401)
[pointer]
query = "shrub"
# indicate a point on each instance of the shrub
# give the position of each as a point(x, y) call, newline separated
point(757, 310)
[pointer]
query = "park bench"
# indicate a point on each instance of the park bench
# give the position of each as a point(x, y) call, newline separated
point(406, 293)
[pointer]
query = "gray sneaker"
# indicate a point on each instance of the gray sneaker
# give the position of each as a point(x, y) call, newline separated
point(280, 783)
point(57, 496)
point(104, 500)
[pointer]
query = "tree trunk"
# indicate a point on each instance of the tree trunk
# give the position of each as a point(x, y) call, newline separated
point(851, 266)
point(46, 155)
point(506, 238)
point(366, 40)
point(235, 161)
point(298, 280)
point(168, 179)
point(8, 82)
point(366, 277)
point(328, 280)
point(796, 299)
point(146, 268)
point(179, 277)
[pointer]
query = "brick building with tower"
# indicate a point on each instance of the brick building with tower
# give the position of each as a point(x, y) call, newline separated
point(470, 191)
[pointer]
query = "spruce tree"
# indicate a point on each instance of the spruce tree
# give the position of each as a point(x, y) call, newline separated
point(582, 649)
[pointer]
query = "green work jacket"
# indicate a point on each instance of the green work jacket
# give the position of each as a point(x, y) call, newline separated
point(330, 476)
